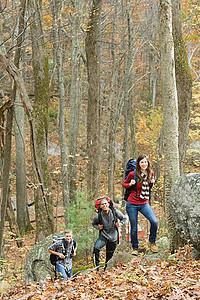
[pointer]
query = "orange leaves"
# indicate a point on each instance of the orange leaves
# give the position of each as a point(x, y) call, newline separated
point(175, 279)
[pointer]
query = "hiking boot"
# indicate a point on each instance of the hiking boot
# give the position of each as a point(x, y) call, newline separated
point(135, 252)
point(153, 247)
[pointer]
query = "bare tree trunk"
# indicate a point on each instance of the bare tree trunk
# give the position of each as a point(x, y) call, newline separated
point(16, 75)
point(60, 75)
point(75, 101)
point(170, 109)
point(131, 113)
point(125, 88)
point(93, 101)
point(23, 219)
point(6, 173)
point(183, 83)
point(43, 203)
point(111, 112)
point(12, 222)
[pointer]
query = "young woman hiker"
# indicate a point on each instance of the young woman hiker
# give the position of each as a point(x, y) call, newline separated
point(138, 201)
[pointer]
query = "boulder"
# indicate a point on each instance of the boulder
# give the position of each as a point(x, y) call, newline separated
point(122, 257)
point(37, 266)
point(185, 207)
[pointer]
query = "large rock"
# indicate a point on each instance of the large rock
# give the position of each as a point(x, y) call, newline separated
point(37, 265)
point(122, 257)
point(185, 207)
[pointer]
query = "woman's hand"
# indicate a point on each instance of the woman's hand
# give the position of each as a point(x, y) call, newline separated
point(132, 182)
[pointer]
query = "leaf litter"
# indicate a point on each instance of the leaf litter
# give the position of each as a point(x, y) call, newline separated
point(174, 279)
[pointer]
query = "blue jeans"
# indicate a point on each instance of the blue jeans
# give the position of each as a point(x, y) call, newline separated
point(147, 211)
point(110, 248)
point(63, 272)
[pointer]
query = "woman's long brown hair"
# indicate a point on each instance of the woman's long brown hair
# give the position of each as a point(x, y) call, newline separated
point(138, 169)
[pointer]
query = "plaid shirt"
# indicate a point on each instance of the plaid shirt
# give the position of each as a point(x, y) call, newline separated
point(59, 246)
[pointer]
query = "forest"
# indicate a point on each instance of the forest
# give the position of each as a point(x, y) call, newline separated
point(84, 87)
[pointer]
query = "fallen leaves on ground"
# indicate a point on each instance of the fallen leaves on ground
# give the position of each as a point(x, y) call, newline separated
point(176, 279)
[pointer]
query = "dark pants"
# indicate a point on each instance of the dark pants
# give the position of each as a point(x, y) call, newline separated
point(110, 248)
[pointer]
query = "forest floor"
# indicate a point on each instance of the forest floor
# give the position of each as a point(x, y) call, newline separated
point(178, 278)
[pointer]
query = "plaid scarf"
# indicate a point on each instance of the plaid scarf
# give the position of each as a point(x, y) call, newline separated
point(145, 188)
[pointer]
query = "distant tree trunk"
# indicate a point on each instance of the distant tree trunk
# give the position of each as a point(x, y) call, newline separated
point(111, 112)
point(183, 83)
point(157, 167)
point(75, 101)
point(23, 220)
point(93, 101)
point(6, 173)
point(60, 75)
point(10, 215)
point(152, 77)
point(170, 110)
point(43, 201)
point(125, 87)
point(131, 114)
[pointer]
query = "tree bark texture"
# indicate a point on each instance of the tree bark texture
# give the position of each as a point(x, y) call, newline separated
point(10, 215)
point(43, 201)
point(183, 83)
point(6, 173)
point(75, 101)
point(23, 219)
point(131, 114)
point(170, 109)
point(15, 73)
point(93, 101)
point(125, 89)
point(111, 111)
point(60, 75)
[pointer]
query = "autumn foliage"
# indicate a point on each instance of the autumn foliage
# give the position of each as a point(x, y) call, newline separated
point(177, 278)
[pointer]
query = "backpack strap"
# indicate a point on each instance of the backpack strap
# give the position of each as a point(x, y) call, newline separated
point(115, 220)
point(136, 181)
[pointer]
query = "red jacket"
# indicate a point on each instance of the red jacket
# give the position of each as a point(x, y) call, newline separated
point(132, 197)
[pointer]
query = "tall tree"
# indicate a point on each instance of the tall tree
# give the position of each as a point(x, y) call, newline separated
point(75, 99)
point(183, 83)
point(56, 6)
point(170, 109)
point(125, 83)
point(131, 39)
point(6, 170)
point(112, 111)
point(21, 191)
point(43, 198)
point(93, 100)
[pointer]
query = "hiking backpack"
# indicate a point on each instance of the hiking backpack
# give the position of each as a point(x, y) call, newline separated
point(111, 206)
point(99, 210)
point(130, 167)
